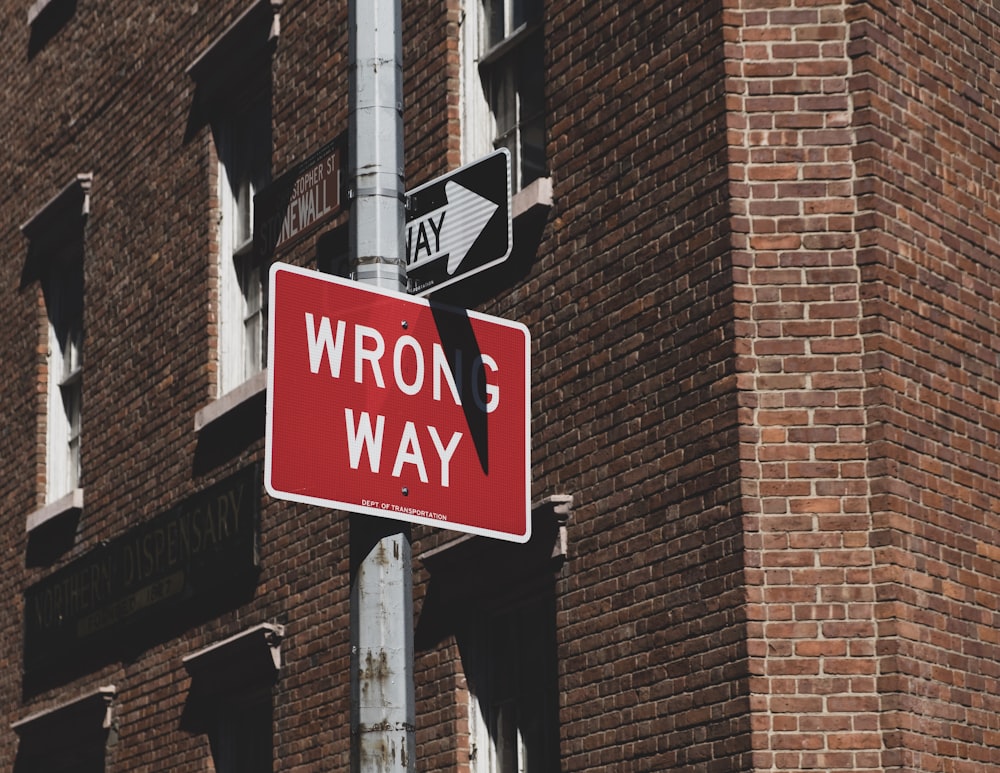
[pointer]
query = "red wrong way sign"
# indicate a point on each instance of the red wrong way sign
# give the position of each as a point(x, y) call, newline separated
point(391, 405)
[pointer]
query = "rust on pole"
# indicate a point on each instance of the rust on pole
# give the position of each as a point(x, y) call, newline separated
point(383, 735)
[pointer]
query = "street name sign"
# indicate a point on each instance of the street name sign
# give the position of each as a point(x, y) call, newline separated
point(459, 224)
point(301, 200)
point(394, 406)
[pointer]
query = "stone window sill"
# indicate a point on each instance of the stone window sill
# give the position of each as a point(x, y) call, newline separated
point(537, 193)
point(229, 402)
point(72, 501)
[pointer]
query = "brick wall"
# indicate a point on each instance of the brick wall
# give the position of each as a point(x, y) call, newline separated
point(763, 312)
point(810, 568)
point(109, 94)
point(929, 247)
point(635, 398)
point(866, 145)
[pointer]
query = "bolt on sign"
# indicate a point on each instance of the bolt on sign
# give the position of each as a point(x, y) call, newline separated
point(394, 406)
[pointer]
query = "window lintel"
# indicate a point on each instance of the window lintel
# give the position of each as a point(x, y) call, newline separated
point(548, 539)
point(258, 26)
point(254, 651)
point(93, 706)
point(72, 202)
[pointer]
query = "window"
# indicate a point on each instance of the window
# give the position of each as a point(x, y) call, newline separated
point(68, 738)
point(63, 289)
point(55, 258)
point(509, 655)
point(231, 697)
point(502, 92)
point(233, 87)
point(242, 736)
point(499, 601)
point(243, 144)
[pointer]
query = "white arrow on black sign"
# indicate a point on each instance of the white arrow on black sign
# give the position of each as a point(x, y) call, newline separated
point(448, 231)
point(459, 224)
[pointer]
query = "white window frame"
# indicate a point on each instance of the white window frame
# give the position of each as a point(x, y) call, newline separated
point(226, 74)
point(65, 387)
point(55, 258)
point(243, 148)
point(481, 60)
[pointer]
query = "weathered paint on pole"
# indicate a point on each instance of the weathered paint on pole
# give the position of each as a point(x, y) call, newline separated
point(383, 713)
point(383, 730)
point(375, 143)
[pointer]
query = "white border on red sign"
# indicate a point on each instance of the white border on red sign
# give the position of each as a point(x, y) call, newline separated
point(351, 507)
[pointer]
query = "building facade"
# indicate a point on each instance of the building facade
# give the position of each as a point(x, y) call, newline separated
point(757, 248)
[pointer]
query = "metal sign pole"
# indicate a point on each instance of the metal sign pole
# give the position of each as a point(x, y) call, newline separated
point(383, 714)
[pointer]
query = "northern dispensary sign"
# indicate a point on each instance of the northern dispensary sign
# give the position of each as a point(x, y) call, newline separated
point(200, 550)
point(394, 406)
point(459, 224)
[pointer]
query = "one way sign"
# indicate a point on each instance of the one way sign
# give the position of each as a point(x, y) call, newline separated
point(458, 224)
